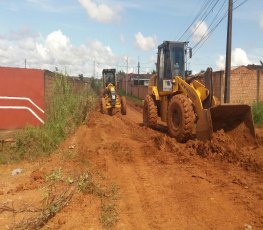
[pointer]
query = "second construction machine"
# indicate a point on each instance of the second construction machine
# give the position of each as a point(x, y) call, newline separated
point(110, 101)
point(187, 105)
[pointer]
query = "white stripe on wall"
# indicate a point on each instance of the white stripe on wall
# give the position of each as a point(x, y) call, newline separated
point(23, 108)
point(23, 99)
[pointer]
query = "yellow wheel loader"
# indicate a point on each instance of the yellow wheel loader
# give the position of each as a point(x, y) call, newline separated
point(186, 105)
point(110, 101)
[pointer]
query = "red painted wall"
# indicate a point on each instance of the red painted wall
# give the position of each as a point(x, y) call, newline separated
point(17, 87)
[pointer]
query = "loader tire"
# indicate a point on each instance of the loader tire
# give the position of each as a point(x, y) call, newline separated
point(103, 108)
point(180, 118)
point(149, 112)
point(123, 105)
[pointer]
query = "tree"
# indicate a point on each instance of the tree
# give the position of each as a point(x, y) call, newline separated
point(121, 72)
point(81, 77)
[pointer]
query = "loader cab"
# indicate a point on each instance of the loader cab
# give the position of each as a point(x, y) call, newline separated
point(170, 63)
point(109, 76)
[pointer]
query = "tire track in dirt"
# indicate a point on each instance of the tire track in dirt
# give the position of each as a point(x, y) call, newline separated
point(162, 184)
point(160, 192)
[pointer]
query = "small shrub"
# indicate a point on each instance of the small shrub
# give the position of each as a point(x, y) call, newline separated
point(257, 110)
point(109, 215)
point(56, 175)
point(135, 100)
point(86, 184)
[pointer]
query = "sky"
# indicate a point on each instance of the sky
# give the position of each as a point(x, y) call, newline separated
point(86, 36)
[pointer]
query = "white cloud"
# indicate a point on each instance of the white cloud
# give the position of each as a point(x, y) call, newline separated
point(238, 57)
point(261, 22)
point(220, 63)
point(56, 50)
point(145, 43)
point(122, 38)
point(199, 31)
point(100, 12)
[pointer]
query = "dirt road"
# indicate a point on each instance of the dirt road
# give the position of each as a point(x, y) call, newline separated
point(160, 183)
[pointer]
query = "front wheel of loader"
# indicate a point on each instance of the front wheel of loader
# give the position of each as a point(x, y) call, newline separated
point(123, 105)
point(180, 118)
point(149, 112)
point(103, 107)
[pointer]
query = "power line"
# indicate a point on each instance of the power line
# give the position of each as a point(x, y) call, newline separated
point(207, 35)
point(206, 14)
point(195, 19)
point(200, 18)
point(212, 22)
point(205, 11)
point(242, 3)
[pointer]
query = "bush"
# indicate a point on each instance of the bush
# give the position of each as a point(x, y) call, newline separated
point(96, 84)
point(257, 110)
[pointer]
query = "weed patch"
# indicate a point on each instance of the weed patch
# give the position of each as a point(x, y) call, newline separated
point(66, 110)
point(53, 204)
point(257, 110)
point(134, 99)
point(56, 175)
point(108, 195)
point(60, 192)
point(109, 215)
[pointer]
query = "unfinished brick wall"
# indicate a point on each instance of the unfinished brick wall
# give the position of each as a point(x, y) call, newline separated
point(243, 86)
point(246, 85)
point(217, 85)
point(139, 91)
point(49, 84)
point(48, 88)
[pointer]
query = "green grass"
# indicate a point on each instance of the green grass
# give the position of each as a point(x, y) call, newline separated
point(257, 110)
point(134, 99)
point(67, 109)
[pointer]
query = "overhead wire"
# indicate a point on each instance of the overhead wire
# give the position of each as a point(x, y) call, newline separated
point(211, 24)
point(200, 18)
point(207, 35)
point(203, 7)
point(205, 15)
point(242, 3)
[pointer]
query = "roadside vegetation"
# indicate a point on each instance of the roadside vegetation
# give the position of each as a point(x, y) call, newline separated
point(136, 100)
point(257, 110)
point(67, 108)
point(60, 190)
point(96, 84)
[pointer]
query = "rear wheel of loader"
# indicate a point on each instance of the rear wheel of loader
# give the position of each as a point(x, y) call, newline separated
point(103, 107)
point(123, 106)
point(149, 112)
point(180, 118)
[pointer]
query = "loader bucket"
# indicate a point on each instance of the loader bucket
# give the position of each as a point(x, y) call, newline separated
point(236, 121)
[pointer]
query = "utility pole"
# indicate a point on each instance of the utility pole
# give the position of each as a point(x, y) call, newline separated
point(228, 52)
point(25, 63)
point(138, 66)
point(127, 64)
point(94, 63)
